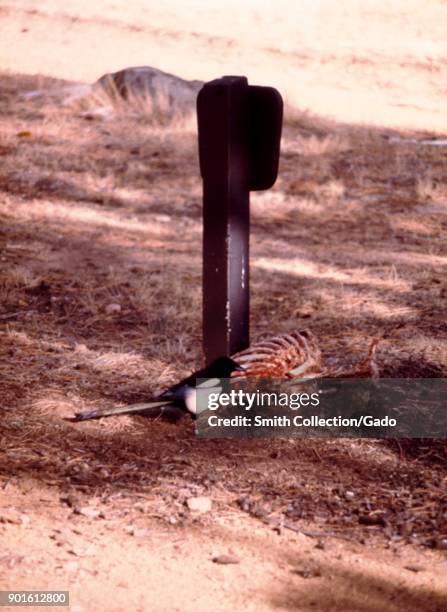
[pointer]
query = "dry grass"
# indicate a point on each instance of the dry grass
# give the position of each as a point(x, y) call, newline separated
point(112, 211)
point(108, 212)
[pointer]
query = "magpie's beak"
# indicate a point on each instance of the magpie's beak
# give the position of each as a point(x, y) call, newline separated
point(239, 368)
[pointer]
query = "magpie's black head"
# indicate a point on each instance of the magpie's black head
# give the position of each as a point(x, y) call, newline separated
point(222, 367)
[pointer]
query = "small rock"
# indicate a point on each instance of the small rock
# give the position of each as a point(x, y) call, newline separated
point(320, 545)
point(199, 504)
point(172, 520)
point(88, 511)
point(78, 469)
point(226, 559)
point(244, 503)
point(70, 500)
point(13, 518)
point(140, 533)
point(349, 495)
point(415, 568)
point(259, 511)
point(162, 218)
point(441, 543)
point(81, 348)
point(77, 551)
point(306, 572)
point(112, 308)
point(72, 566)
point(136, 532)
point(102, 112)
point(372, 519)
point(59, 538)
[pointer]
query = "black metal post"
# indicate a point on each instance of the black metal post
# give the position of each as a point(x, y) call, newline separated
point(239, 136)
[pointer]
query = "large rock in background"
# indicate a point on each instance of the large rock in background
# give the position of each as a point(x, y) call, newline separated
point(161, 97)
point(159, 94)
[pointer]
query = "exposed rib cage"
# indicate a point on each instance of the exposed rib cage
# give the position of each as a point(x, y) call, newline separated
point(298, 355)
point(294, 355)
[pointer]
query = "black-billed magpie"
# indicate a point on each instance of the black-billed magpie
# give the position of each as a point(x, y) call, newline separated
point(182, 395)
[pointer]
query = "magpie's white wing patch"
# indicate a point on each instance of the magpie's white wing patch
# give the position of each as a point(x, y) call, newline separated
point(209, 382)
point(203, 389)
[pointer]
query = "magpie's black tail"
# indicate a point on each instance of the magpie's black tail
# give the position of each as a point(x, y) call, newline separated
point(153, 409)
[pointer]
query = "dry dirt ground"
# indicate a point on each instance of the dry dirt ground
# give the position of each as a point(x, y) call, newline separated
point(350, 243)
